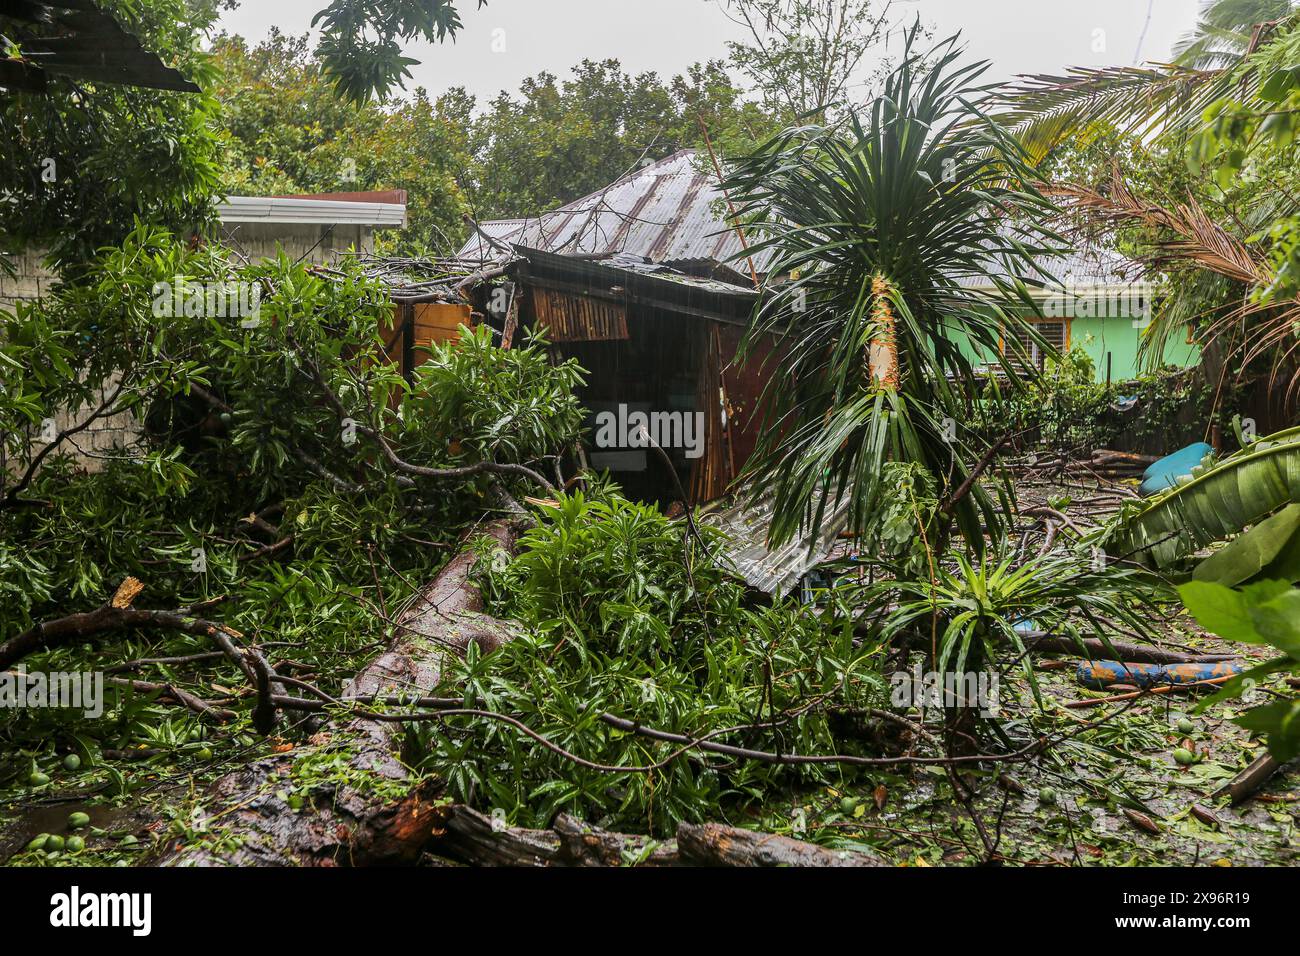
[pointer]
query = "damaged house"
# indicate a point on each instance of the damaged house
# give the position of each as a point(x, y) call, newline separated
point(635, 283)
point(648, 285)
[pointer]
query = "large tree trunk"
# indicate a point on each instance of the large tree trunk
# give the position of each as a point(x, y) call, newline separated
point(713, 844)
point(251, 821)
point(470, 837)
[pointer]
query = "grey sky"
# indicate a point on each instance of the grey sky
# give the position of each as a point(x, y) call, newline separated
point(1019, 36)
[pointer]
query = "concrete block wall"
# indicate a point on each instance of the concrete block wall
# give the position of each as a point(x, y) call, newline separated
point(317, 243)
point(31, 281)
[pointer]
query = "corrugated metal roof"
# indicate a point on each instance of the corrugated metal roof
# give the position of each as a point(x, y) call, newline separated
point(1085, 265)
point(301, 210)
point(775, 571)
point(669, 211)
point(76, 39)
point(672, 212)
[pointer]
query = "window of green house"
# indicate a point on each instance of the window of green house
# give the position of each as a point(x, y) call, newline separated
point(1055, 331)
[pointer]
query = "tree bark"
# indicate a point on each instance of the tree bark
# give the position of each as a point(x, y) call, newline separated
point(713, 844)
point(471, 837)
point(375, 818)
point(882, 354)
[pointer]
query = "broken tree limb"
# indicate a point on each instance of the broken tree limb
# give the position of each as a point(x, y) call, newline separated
point(1245, 784)
point(378, 816)
point(1130, 653)
point(466, 835)
point(713, 844)
point(178, 694)
point(1146, 691)
point(1093, 648)
point(115, 615)
point(582, 844)
point(469, 836)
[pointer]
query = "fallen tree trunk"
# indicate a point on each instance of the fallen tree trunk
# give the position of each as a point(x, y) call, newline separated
point(1129, 653)
point(259, 819)
point(713, 844)
point(1245, 784)
point(466, 835)
point(1095, 649)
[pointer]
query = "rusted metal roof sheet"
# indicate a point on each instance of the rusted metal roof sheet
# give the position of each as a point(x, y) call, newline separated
point(775, 571)
point(670, 211)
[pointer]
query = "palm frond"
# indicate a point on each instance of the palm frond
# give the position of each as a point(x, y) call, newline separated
point(1197, 238)
point(1044, 110)
point(1226, 30)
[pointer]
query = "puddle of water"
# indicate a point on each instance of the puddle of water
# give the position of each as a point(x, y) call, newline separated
point(53, 819)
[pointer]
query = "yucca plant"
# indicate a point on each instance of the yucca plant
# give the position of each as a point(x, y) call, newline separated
point(881, 230)
point(974, 610)
point(966, 615)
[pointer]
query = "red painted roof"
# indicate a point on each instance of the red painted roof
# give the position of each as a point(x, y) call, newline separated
point(396, 196)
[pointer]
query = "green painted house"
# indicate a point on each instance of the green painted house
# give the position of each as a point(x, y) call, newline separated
point(1099, 309)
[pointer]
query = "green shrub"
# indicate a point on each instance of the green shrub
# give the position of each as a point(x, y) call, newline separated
point(617, 623)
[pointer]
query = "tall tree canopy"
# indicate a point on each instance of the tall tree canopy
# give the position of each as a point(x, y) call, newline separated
point(558, 140)
point(288, 131)
point(555, 140)
point(808, 57)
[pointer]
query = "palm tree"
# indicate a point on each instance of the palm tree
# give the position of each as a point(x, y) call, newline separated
point(1153, 102)
point(881, 228)
point(1230, 290)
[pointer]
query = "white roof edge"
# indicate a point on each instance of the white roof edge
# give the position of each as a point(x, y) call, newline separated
point(330, 211)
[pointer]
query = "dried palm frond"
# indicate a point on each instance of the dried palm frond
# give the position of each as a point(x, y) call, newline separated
point(1199, 239)
point(1246, 331)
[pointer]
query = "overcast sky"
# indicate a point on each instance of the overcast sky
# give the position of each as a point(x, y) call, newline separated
point(1019, 36)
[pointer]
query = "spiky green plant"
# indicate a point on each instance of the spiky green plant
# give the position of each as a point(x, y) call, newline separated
point(881, 232)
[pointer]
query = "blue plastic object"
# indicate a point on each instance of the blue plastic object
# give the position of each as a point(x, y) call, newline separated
point(1165, 473)
point(1099, 675)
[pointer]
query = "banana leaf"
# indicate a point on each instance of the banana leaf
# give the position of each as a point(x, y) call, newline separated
point(1270, 550)
point(1221, 500)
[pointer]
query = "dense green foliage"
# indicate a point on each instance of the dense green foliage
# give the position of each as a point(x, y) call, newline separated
point(557, 140)
point(617, 622)
point(288, 131)
point(1066, 411)
point(359, 45)
point(243, 420)
point(552, 142)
